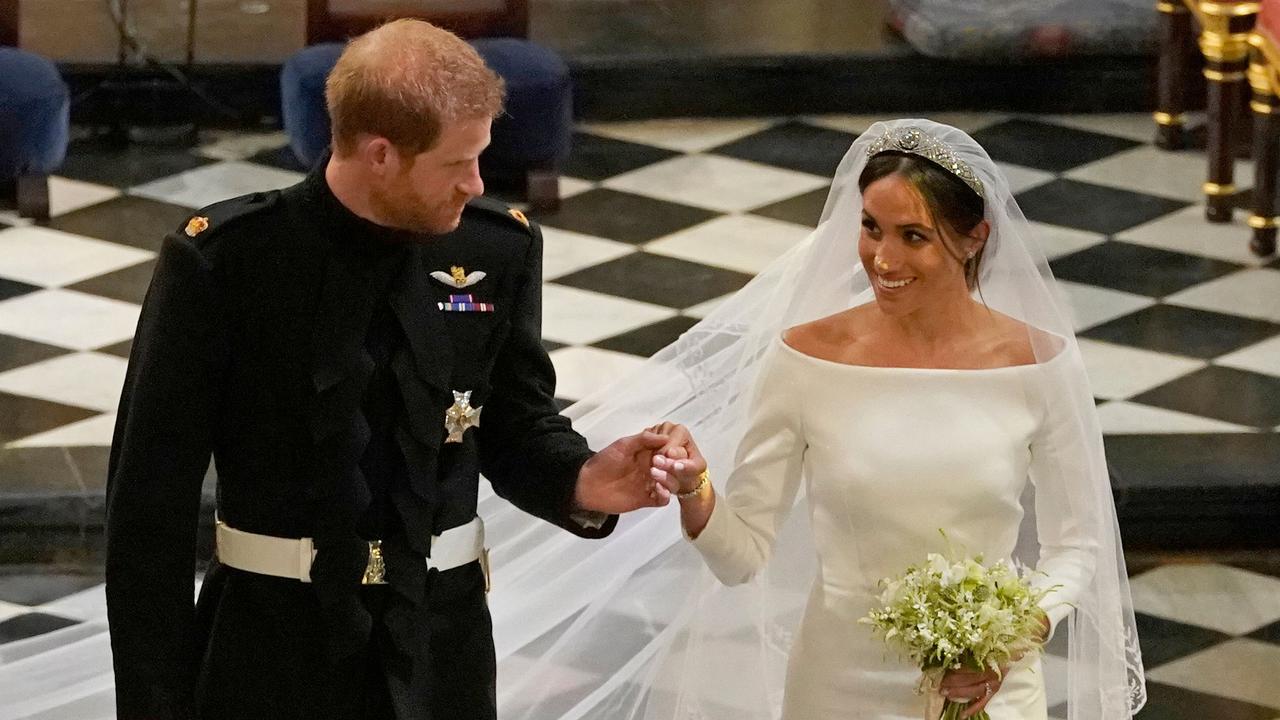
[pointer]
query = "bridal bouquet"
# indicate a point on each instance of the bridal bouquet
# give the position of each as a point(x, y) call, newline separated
point(949, 614)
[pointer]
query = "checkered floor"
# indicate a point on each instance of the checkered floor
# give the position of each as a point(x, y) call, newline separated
point(1179, 324)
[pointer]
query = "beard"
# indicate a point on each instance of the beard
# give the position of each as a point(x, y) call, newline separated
point(405, 210)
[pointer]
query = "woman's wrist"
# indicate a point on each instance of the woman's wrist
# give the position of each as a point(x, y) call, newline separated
point(701, 487)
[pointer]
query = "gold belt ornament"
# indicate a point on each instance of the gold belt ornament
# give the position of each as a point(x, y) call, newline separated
point(375, 573)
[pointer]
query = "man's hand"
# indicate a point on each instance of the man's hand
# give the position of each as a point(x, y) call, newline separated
point(620, 478)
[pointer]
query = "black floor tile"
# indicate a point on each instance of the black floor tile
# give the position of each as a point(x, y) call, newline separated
point(794, 146)
point(650, 339)
point(1224, 393)
point(32, 585)
point(1138, 269)
point(1094, 208)
point(32, 624)
point(281, 158)
point(562, 403)
point(53, 470)
point(1183, 331)
point(622, 216)
point(128, 284)
point(1269, 634)
point(23, 416)
point(13, 288)
point(120, 349)
point(127, 220)
point(595, 158)
point(1166, 702)
point(1166, 640)
point(16, 352)
point(803, 209)
point(1206, 463)
point(1047, 146)
point(99, 161)
point(657, 279)
point(551, 345)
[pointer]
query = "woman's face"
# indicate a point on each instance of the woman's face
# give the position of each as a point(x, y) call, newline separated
point(905, 254)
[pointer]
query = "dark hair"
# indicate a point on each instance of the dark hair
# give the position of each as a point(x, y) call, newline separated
point(948, 197)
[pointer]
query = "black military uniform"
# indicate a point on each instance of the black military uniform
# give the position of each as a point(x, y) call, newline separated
point(314, 355)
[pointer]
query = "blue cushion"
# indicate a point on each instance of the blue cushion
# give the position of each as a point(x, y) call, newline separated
point(35, 115)
point(535, 132)
point(305, 117)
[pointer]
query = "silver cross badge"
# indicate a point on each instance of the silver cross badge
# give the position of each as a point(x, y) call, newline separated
point(461, 416)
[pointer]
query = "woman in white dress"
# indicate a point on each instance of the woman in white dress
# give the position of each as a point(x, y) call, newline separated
point(922, 410)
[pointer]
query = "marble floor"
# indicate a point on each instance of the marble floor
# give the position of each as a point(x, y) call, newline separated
point(1179, 324)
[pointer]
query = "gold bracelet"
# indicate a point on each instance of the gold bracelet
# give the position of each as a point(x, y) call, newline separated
point(703, 479)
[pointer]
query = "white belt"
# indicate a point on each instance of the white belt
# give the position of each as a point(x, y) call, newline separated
point(292, 557)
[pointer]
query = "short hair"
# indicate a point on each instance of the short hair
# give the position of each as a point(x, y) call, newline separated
point(404, 81)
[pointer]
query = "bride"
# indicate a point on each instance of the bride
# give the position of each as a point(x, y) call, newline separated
point(922, 409)
point(876, 377)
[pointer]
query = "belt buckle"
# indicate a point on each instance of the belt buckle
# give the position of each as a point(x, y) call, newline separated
point(375, 573)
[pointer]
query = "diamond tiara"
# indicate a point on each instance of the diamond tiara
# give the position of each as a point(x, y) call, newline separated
point(917, 142)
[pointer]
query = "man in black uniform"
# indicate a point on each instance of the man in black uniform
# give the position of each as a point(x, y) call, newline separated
point(354, 351)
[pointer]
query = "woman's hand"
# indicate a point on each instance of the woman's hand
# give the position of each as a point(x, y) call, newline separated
point(977, 688)
point(679, 465)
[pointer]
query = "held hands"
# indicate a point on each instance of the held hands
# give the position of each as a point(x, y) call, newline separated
point(678, 466)
point(977, 688)
point(618, 479)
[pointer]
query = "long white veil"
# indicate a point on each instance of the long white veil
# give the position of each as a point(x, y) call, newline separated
point(635, 626)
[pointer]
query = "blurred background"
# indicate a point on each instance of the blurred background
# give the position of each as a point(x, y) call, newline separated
point(671, 149)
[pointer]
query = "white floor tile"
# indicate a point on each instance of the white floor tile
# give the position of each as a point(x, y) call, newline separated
point(96, 431)
point(1057, 241)
point(681, 134)
point(701, 310)
point(858, 124)
point(1117, 372)
point(564, 251)
point(1187, 231)
point(68, 319)
point(1093, 305)
point(1240, 669)
point(1253, 293)
point(8, 610)
point(1126, 418)
point(46, 257)
point(214, 183)
point(239, 145)
point(745, 243)
point(1134, 126)
point(716, 183)
point(1263, 357)
point(67, 195)
point(1022, 178)
point(1222, 598)
point(570, 186)
point(581, 317)
point(581, 371)
point(1150, 170)
point(88, 379)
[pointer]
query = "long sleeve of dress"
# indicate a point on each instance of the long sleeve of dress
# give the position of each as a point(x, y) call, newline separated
point(1064, 518)
point(738, 538)
point(163, 441)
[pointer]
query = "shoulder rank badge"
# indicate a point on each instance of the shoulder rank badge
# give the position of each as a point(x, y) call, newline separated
point(197, 225)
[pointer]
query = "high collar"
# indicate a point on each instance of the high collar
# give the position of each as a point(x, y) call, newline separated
point(363, 234)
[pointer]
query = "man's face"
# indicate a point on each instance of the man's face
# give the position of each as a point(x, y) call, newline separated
point(426, 192)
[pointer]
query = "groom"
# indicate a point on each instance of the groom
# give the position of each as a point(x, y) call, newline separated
point(353, 351)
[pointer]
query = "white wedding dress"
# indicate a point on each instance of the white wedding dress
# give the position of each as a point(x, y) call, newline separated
point(889, 456)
